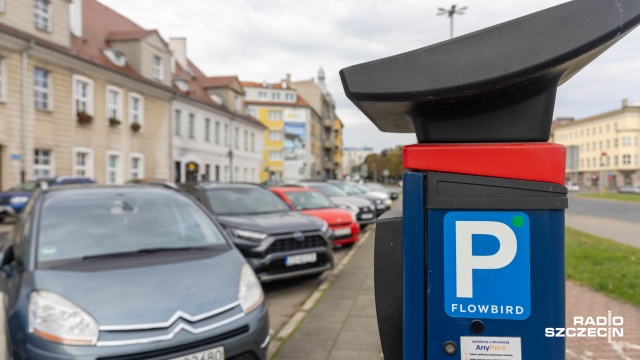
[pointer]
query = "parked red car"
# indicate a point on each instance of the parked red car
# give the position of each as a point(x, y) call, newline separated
point(345, 227)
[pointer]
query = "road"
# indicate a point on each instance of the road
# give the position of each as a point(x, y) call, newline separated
point(610, 209)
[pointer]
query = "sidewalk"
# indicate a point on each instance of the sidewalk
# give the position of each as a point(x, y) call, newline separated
point(343, 323)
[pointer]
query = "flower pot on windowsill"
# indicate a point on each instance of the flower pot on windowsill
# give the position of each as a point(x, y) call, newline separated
point(114, 122)
point(136, 127)
point(84, 118)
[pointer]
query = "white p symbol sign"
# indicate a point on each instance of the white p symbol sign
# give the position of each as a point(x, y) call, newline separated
point(466, 262)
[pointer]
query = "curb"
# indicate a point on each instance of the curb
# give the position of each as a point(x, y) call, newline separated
point(290, 327)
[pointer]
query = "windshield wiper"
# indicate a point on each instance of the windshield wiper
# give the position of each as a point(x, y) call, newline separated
point(145, 251)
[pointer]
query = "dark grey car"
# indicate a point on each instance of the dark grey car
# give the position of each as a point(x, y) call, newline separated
point(127, 273)
point(278, 243)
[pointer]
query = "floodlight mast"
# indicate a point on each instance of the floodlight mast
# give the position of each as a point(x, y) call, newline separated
point(450, 13)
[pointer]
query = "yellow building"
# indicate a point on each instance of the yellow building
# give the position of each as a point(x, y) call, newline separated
point(603, 150)
point(84, 92)
point(291, 142)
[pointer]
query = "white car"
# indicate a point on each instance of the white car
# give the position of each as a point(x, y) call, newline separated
point(572, 187)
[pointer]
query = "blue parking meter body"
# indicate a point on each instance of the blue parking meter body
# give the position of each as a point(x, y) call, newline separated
point(473, 267)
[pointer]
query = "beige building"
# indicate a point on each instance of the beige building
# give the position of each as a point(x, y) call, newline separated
point(603, 150)
point(353, 157)
point(84, 92)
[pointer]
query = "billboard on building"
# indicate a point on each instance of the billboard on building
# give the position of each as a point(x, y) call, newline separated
point(295, 139)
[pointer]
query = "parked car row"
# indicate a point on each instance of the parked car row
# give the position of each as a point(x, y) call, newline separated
point(155, 270)
point(629, 189)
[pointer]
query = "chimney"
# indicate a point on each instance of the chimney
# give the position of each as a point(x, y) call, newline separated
point(288, 79)
point(625, 103)
point(75, 17)
point(179, 48)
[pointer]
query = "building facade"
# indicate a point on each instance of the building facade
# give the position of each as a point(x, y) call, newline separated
point(84, 92)
point(338, 127)
point(318, 97)
point(212, 138)
point(291, 142)
point(603, 150)
point(353, 158)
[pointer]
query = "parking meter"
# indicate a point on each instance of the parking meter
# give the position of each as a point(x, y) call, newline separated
point(473, 267)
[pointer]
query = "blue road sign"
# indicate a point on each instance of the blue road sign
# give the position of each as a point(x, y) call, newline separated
point(487, 272)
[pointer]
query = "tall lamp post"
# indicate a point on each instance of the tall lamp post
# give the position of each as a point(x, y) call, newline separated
point(450, 13)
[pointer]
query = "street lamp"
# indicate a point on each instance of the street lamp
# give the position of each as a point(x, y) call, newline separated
point(450, 13)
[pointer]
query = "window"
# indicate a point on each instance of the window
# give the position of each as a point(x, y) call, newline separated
point(262, 95)
point(217, 132)
point(581, 163)
point(246, 140)
point(114, 104)
point(615, 160)
point(82, 94)
point(226, 173)
point(158, 72)
point(136, 166)
point(275, 135)
point(275, 115)
point(114, 171)
point(237, 102)
point(1, 5)
point(3, 79)
point(275, 96)
point(42, 14)
point(244, 175)
point(608, 143)
point(226, 135)
point(626, 159)
point(600, 145)
point(253, 142)
point(253, 175)
point(290, 97)
point(235, 174)
point(588, 162)
point(136, 109)
point(192, 126)
point(41, 85)
point(626, 141)
point(275, 155)
point(42, 163)
point(607, 128)
point(207, 130)
point(236, 138)
point(83, 162)
point(588, 147)
point(615, 143)
point(176, 122)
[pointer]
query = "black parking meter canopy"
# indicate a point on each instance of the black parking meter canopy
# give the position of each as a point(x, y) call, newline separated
point(494, 85)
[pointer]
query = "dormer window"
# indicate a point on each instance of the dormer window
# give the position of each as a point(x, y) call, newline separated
point(290, 96)
point(182, 85)
point(216, 98)
point(115, 56)
point(42, 14)
point(158, 72)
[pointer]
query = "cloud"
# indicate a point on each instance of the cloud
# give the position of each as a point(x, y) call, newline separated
point(264, 40)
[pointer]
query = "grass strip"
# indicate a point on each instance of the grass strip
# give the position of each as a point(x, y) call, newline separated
point(613, 196)
point(603, 265)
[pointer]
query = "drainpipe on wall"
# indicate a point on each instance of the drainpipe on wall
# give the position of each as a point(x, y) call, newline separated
point(232, 140)
point(23, 110)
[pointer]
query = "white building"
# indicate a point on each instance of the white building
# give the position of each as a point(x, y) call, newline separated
point(212, 138)
point(353, 157)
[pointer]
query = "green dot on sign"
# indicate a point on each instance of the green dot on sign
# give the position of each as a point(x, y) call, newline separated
point(517, 221)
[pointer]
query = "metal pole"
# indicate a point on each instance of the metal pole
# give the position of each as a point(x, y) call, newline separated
point(451, 24)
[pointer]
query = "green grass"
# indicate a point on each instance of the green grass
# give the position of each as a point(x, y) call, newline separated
point(613, 196)
point(603, 265)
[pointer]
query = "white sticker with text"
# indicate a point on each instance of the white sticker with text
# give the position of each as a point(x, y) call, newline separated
point(490, 348)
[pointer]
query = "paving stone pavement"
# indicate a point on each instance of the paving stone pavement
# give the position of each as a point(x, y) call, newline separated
point(343, 323)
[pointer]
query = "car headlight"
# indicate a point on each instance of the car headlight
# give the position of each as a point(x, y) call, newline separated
point(325, 227)
point(19, 199)
point(378, 201)
point(57, 319)
point(387, 201)
point(248, 235)
point(250, 292)
point(372, 208)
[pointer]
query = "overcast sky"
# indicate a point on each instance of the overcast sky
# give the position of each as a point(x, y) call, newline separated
point(262, 40)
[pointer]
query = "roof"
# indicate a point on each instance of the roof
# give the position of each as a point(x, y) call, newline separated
point(219, 81)
point(262, 85)
point(605, 115)
point(129, 34)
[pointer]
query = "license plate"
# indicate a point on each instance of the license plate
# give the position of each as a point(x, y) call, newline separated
point(300, 259)
point(367, 216)
point(216, 353)
point(342, 232)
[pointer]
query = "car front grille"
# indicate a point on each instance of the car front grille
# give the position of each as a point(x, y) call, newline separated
point(195, 346)
point(290, 244)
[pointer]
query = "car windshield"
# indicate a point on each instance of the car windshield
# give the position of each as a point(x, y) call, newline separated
point(93, 222)
point(348, 188)
point(329, 190)
point(375, 186)
point(26, 186)
point(245, 201)
point(309, 200)
point(361, 187)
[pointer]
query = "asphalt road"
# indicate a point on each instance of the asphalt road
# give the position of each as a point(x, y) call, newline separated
point(609, 209)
